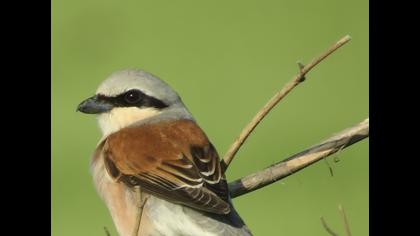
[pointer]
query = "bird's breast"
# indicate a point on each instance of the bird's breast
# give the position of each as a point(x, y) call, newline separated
point(159, 217)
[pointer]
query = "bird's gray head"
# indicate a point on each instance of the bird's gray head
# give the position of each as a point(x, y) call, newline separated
point(130, 96)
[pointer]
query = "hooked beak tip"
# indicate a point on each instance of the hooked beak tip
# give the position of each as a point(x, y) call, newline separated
point(94, 105)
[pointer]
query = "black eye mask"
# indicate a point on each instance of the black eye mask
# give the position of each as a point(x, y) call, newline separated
point(133, 98)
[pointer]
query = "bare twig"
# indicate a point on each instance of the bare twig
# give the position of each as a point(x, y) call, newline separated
point(300, 160)
point(230, 154)
point(138, 215)
point(346, 223)
point(140, 202)
point(107, 231)
point(328, 229)
point(329, 167)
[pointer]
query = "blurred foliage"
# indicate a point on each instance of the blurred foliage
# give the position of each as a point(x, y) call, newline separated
point(226, 59)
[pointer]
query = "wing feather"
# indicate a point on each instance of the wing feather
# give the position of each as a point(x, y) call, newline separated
point(173, 160)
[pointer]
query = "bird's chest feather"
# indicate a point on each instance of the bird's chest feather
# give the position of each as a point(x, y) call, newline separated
point(160, 217)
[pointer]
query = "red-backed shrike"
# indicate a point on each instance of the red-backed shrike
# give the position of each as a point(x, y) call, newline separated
point(151, 140)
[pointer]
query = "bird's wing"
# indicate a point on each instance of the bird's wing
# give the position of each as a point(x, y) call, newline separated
point(173, 160)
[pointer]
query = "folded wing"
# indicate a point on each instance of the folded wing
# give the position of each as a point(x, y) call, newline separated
point(173, 160)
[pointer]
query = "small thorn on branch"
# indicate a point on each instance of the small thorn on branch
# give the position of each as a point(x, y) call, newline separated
point(336, 159)
point(302, 74)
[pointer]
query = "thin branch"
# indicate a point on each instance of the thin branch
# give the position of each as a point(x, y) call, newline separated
point(346, 223)
point(329, 167)
point(138, 215)
point(230, 154)
point(328, 229)
point(300, 160)
point(140, 202)
point(107, 231)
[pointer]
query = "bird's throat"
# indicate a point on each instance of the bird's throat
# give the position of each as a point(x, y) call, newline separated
point(122, 117)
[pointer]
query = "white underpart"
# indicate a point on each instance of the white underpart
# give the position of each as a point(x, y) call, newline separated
point(171, 219)
point(121, 117)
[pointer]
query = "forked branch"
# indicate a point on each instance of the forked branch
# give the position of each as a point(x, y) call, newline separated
point(346, 223)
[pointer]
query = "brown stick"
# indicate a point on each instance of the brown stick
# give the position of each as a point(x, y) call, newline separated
point(346, 223)
point(300, 160)
point(327, 228)
point(140, 202)
point(138, 215)
point(230, 154)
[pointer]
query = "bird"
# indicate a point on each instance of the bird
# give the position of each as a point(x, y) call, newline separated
point(151, 142)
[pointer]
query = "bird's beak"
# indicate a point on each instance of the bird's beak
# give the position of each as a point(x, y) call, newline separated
point(94, 105)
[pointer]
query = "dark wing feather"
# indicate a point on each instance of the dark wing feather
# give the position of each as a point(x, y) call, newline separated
point(207, 161)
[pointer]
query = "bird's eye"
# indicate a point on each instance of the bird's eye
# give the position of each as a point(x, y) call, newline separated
point(132, 96)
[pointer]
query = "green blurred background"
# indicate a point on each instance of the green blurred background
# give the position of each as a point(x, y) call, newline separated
point(226, 59)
